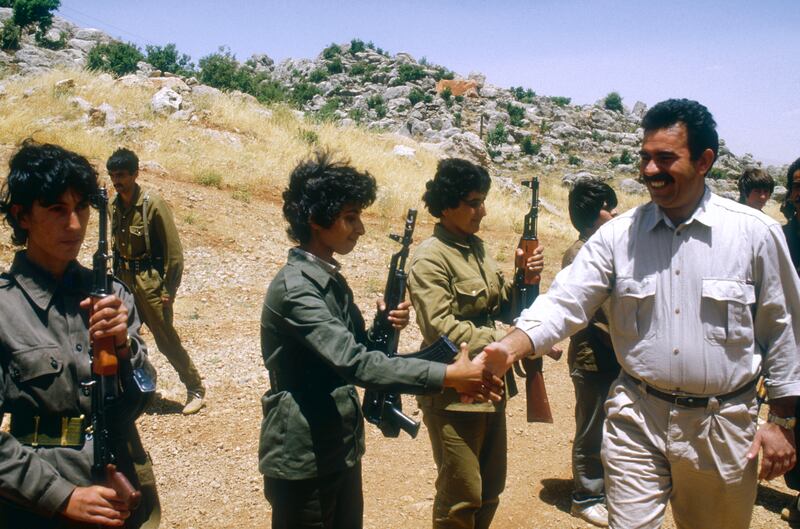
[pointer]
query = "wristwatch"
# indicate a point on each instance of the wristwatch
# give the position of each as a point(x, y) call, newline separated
point(784, 422)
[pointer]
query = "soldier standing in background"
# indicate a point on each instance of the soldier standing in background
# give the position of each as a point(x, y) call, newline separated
point(592, 364)
point(148, 257)
point(755, 187)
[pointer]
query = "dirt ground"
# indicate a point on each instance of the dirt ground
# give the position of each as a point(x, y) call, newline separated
point(206, 465)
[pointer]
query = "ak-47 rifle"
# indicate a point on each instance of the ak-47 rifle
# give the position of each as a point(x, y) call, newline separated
point(385, 409)
point(105, 384)
point(526, 289)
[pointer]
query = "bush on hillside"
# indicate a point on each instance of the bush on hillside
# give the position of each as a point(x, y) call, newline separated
point(302, 93)
point(516, 114)
point(37, 13)
point(6, 3)
point(416, 95)
point(623, 159)
point(357, 45)
point(119, 58)
point(168, 59)
point(498, 136)
point(530, 148)
point(335, 66)
point(10, 34)
point(331, 51)
point(318, 75)
point(447, 94)
point(561, 101)
point(523, 95)
point(441, 72)
point(613, 101)
point(410, 72)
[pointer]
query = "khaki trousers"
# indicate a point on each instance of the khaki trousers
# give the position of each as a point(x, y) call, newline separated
point(469, 449)
point(654, 452)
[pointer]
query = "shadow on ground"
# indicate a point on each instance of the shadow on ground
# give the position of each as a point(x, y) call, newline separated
point(558, 493)
point(161, 406)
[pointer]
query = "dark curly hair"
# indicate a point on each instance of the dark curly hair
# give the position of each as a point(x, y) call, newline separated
point(787, 208)
point(586, 199)
point(454, 180)
point(319, 188)
point(123, 160)
point(43, 172)
point(700, 125)
point(754, 178)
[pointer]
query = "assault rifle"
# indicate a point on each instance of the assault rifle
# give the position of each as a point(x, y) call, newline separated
point(385, 409)
point(525, 291)
point(105, 384)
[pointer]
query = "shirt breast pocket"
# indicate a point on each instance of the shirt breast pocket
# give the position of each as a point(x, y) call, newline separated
point(632, 307)
point(36, 367)
point(470, 298)
point(725, 311)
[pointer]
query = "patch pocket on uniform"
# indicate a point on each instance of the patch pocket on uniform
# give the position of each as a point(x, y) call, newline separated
point(137, 231)
point(35, 366)
point(632, 305)
point(471, 298)
point(725, 310)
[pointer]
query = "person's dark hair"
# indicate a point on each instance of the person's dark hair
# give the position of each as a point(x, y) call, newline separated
point(454, 180)
point(123, 160)
point(319, 188)
point(754, 178)
point(700, 125)
point(787, 208)
point(586, 199)
point(43, 172)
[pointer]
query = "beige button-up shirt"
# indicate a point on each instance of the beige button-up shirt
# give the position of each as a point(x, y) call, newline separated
point(695, 308)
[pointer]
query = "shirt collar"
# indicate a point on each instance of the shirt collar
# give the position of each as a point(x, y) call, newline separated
point(441, 233)
point(40, 286)
point(703, 214)
point(317, 269)
point(138, 199)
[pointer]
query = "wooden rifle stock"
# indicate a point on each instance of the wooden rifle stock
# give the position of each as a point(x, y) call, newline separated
point(526, 289)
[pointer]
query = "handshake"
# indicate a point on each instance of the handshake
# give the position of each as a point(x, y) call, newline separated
point(481, 379)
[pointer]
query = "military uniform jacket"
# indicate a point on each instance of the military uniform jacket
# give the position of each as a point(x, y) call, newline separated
point(791, 230)
point(44, 358)
point(590, 348)
point(128, 226)
point(458, 291)
point(313, 342)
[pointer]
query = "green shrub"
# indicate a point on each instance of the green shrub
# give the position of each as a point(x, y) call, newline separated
point(441, 72)
point(6, 3)
point(424, 61)
point(318, 75)
point(561, 101)
point(544, 127)
point(308, 136)
point(242, 194)
point(410, 72)
point(328, 110)
point(37, 13)
point(459, 99)
point(356, 114)
point(498, 136)
point(335, 66)
point(516, 114)
point(331, 51)
point(717, 174)
point(596, 136)
point(415, 96)
point(169, 59)
point(530, 148)
point(302, 93)
point(10, 34)
point(374, 100)
point(119, 58)
point(446, 94)
point(523, 95)
point(222, 70)
point(210, 179)
point(58, 44)
point(613, 101)
point(269, 91)
point(457, 119)
point(623, 159)
point(356, 45)
point(574, 160)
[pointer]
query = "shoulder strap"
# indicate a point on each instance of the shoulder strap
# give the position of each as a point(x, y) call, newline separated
point(145, 203)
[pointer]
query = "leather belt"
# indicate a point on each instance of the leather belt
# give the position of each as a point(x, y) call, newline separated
point(690, 401)
point(48, 430)
point(142, 264)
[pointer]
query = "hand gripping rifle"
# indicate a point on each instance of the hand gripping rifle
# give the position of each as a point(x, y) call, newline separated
point(525, 291)
point(105, 384)
point(383, 409)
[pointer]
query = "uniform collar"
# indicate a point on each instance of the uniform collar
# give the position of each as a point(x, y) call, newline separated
point(138, 199)
point(318, 270)
point(444, 235)
point(704, 213)
point(40, 286)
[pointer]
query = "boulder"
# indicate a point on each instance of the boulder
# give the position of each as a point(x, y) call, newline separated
point(570, 179)
point(403, 151)
point(458, 87)
point(166, 101)
point(395, 92)
point(466, 145)
point(632, 187)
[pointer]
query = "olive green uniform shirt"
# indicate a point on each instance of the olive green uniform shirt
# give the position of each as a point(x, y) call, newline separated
point(458, 291)
point(313, 342)
point(590, 348)
point(127, 226)
point(44, 359)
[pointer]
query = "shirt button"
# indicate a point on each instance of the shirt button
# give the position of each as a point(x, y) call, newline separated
point(675, 351)
point(677, 272)
point(79, 348)
point(677, 311)
point(53, 362)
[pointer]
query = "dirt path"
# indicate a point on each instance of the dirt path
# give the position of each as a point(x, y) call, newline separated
point(206, 465)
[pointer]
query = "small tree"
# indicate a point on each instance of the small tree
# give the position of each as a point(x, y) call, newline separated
point(119, 58)
point(613, 101)
point(10, 35)
point(168, 59)
point(498, 136)
point(357, 45)
point(222, 70)
point(28, 13)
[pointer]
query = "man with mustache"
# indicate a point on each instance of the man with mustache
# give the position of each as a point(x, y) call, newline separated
point(702, 291)
point(148, 257)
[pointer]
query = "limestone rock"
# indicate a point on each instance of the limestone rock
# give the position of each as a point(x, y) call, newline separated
point(166, 101)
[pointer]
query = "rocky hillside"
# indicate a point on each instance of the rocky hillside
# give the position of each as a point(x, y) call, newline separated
point(358, 84)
